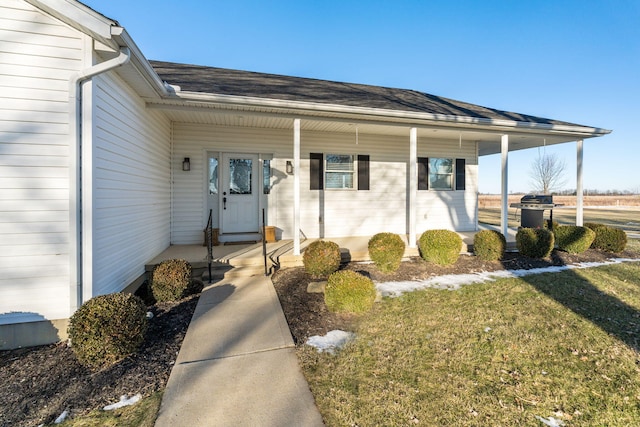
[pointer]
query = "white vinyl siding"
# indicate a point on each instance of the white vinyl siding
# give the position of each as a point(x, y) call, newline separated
point(189, 214)
point(323, 213)
point(37, 56)
point(131, 184)
point(449, 209)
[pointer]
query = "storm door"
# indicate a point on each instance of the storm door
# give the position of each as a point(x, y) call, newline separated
point(239, 193)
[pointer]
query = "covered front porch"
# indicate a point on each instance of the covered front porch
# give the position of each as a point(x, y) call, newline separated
point(248, 259)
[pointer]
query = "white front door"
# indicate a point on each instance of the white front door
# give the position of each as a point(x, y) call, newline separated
point(240, 192)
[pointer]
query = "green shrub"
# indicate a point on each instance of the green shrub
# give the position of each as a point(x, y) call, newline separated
point(573, 239)
point(593, 225)
point(440, 246)
point(609, 239)
point(489, 245)
point(170, 280)
point(386, 251)
point(349, 292)
point(551, 225)
point(321, 258)
point(535, 242)
point(108, 328)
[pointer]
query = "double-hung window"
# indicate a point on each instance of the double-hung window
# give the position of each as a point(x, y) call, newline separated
point(339, 171)
point(440, 173)
point(437, 173)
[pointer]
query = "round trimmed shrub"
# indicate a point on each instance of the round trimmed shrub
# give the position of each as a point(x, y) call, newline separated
point(321, 258)
point(535, 242)
point(386, 251)
point(108, 328)
point(573, 239)
point(440, 246)
point(609, 239)
point(349, 292)
point(170, 280)
point(489, 245)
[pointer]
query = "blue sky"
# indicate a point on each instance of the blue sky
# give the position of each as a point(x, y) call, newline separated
point(577, 61)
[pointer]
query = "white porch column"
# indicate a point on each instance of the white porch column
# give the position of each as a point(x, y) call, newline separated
point(504, 225)
point(579, 189)
point(296, 187)
point(413, 185)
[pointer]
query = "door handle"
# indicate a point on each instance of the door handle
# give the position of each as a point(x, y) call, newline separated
point(224, 201)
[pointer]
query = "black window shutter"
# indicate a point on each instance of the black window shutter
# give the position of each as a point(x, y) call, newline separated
point(316, 166)
point(460, 174)
point(423, 173)
point(363, 172)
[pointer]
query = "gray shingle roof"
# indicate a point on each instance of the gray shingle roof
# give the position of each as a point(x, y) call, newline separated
point(222, 81)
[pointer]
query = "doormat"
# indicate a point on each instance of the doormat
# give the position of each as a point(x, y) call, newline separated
point(244, 242)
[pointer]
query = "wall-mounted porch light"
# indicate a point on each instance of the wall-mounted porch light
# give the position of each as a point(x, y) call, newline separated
point(289, 167)
point(186, 164)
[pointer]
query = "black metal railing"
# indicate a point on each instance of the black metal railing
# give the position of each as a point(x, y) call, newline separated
point(209, 238)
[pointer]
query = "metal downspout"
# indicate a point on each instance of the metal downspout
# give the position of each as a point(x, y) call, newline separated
point(75, 190)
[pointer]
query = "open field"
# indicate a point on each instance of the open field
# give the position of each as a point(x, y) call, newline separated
point(493, 200)
point(627, 219)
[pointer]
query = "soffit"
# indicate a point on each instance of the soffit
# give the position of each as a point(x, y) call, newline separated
point(489, 142)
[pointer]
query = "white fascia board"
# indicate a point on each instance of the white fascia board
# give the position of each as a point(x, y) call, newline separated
point(140, 62)
point(105, 30)
point(410, 116)
point(78, 16)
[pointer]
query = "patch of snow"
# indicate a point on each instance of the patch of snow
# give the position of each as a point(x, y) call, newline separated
point(330, 342)
point(487, 329)
point(62, 417)
point(149, 315)
point(455, 281)
point(124, 401)
point(551, 422)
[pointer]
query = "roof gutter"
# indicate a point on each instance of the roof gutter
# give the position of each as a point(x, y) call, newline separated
point(76, 210)
point(441, 119)
point(142, 65)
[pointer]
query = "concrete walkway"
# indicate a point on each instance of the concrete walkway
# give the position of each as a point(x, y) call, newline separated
point(237, 365)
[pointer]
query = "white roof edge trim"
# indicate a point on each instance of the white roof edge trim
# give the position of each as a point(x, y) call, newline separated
point(335, 108)
point(77, 15)
point(142, 65)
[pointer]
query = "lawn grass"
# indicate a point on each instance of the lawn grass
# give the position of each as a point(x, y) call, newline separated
point(501, 353)
point(142, 414)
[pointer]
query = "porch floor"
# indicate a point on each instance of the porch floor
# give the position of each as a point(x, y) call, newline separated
point(250, 258)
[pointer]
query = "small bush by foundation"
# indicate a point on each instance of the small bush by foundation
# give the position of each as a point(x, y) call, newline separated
point(440, 246)
point(535, 242)
point(170, 280)
point(349, 292)
point(609, 239)
point(489, 245)
point(386, 251)
point(573, 239)
point(321, 258)
point(108, 328)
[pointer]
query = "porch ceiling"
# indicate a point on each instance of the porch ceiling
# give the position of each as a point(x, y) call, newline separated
point(488, 140)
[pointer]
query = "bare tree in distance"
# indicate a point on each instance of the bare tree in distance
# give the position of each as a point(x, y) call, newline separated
point(547, 172)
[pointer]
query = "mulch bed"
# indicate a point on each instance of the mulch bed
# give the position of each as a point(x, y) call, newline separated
point(39, 383)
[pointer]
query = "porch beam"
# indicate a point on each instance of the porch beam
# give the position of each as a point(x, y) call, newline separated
point(579, 187)
point(296, 187)
point(504, 224)
point(413, 185)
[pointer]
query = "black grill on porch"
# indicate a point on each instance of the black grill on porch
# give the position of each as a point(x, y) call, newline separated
point(533, 207)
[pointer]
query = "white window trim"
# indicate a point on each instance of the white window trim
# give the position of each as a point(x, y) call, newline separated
point(353, 172)
point(452, 187)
